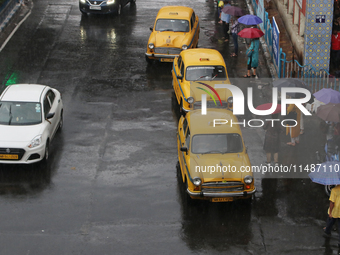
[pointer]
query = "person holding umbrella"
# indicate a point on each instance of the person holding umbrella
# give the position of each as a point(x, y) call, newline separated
point(272, 139)
point(225, 19)
point(333, 212)
point(253, 57)
point(235, 29)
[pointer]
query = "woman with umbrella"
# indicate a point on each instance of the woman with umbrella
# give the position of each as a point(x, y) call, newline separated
point(253, 57)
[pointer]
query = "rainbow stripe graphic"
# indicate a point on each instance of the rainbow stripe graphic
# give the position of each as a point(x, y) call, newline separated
point(210, 94)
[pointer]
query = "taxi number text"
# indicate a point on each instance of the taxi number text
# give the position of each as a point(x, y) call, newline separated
point(222, 199)
point(8, 156)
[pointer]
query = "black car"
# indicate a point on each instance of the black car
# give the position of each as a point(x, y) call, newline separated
point(103, 6)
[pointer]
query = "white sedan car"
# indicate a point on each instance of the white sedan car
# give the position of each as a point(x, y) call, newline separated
point(30, 116)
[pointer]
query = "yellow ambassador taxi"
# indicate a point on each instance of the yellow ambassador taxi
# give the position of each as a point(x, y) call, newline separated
point(213, 161)
point(194, 72)
point(176, 28)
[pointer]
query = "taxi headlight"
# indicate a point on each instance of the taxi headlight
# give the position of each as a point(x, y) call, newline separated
point(83, 1)
point(248, 179)
point(197, 181)
point(184, 47)
point(151, 46)
point(191, 100)
point(230, 100)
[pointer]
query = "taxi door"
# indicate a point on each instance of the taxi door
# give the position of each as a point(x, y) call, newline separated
point(184, 146)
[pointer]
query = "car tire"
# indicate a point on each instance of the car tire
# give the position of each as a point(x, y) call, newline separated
point(47, 151)
point(182, 112)
point(132, 2)
point(188, 199)
point(61, 121)
point(83, 13)
point(178, 171)
point(148, 60)
point(119, 9)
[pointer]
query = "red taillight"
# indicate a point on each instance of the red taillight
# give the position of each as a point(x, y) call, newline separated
point(247, 186)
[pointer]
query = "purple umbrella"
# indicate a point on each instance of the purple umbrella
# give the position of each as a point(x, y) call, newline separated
point(233, 10)
point(327, 173)
point(328, 96)
point(250, 20)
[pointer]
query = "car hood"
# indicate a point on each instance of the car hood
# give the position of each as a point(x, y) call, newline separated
point(170, 39)
point(215, 167)
point(18, 134)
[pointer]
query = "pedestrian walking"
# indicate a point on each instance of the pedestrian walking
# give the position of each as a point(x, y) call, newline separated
point(253, 57)
point(235, 29)
point(294, 131)
point(220, 5)
point(272, 139)
point(333, 212)
point(224, 20)
point(335, 49)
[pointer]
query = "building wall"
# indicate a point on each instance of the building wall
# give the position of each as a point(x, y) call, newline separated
point(318, 35)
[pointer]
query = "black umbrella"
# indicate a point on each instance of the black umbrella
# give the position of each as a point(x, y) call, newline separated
point(293, 83)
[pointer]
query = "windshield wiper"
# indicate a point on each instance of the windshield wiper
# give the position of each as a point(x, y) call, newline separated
point(214, 151)
point(169, 29)
point(10, 114)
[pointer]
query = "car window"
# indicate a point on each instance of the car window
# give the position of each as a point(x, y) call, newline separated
point(179, 62)
point(176, 25)
point(187, 138)
point(216, 143)
point(192, 20)
point(47, 106)
point(51, 96)
point(194, 73)
point(182, 69)
point(20, 113)
point(185, 125)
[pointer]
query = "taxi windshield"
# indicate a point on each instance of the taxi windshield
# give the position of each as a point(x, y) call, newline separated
point(175, 25)
point(194, 73)
point(216, 143)
point(20, 113)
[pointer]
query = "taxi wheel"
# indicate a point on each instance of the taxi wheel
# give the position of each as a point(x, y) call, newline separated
point(148, 60)
point(178, 171)
point(181, 109)
point(188, 199)
point(47, 151)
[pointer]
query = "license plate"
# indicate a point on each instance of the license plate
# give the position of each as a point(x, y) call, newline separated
point(222, 199)
point(9, 156)
point(95, 8)
point(167, 60)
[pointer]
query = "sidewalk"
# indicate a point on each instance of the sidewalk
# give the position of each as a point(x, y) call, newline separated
point(13, 21)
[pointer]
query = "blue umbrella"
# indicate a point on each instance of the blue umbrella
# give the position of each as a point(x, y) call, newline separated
point(327, 173)
point(328, 96)
point(250, 20)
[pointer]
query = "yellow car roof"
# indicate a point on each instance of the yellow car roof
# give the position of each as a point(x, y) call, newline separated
point(202, 56)
point(175, 12)
point(204, 124)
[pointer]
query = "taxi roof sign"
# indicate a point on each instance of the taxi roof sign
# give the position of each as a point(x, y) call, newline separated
point(173, 13)
point(204, 59)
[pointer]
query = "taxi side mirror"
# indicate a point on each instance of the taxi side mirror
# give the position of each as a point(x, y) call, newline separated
point(151, 28)
point(180, 77)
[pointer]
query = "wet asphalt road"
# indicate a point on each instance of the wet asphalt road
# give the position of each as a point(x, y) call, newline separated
point(110, 186)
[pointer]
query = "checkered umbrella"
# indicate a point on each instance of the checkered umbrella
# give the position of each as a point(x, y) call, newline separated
point(327, 173)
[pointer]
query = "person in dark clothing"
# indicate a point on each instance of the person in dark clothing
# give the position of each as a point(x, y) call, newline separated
point(272, 139)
